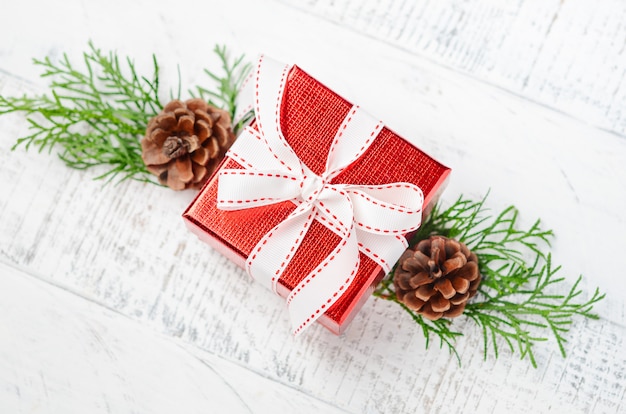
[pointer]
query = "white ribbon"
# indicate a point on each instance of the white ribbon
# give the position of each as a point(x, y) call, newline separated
point(370, 219)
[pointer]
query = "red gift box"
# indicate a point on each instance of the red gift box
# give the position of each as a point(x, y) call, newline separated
point(310, 115)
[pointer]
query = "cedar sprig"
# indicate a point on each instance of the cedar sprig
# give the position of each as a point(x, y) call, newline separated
point(97, 111)
point(94, 114)
point(521, 301)
point(228, 83)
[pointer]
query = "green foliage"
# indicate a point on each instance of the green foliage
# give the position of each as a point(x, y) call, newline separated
point(96, 113)
point(228, 84)
point(521, 300)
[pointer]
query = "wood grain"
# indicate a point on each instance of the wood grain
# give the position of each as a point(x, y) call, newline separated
point(136, 273)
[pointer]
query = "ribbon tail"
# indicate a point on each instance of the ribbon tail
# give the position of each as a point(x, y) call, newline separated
point(321, 288)
point(274, 251)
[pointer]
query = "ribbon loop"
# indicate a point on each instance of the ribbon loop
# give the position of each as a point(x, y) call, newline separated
point(367, 219)
point(376, 212)
point(255, 188)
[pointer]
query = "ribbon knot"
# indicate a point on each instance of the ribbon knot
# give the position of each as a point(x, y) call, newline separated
point(312, 186)
point(368, 219)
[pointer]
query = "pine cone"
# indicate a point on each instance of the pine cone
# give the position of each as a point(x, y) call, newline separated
point(437, 277)
point(185, 143)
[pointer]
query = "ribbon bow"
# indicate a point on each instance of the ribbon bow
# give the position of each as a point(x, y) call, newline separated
point(370, 219)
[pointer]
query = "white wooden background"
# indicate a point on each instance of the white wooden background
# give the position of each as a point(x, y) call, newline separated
point(108, 304)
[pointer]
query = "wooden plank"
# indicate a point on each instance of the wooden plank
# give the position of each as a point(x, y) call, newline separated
point(63, 354)
point(569, 55)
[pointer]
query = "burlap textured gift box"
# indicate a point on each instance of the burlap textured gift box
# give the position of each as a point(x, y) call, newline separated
point(310, 116)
